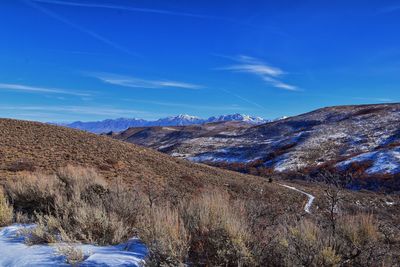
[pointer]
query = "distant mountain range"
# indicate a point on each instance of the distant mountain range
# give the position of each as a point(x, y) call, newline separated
point(121, 124)
point(361, 140)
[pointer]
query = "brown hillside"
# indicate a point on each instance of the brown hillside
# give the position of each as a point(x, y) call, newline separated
point(36, 146)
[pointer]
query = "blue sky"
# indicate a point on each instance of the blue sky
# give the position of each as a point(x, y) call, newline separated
point(66, 60)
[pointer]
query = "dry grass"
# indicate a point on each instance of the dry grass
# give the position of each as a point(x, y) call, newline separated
point(360, 229)
point(219, 230)
point(307, 242)
point(48, 230)
point(164, 233)
point(73, 255)
point(49, 147)
point(6, 211)
point(243, 220)
point(213, 228)
point(206, 231)
point(74, 204)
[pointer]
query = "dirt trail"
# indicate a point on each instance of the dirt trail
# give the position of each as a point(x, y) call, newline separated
point(310, 201)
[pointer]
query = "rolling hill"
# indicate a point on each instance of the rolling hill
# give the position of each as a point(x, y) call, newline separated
point(363, 140)
point(32, 146)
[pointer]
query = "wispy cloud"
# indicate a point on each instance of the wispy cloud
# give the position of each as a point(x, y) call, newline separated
point(71, 113)
point(269, 74)
point(38, 89)
point(80, 110)
point(120, 7)
point(91, 33)
point(128, 81)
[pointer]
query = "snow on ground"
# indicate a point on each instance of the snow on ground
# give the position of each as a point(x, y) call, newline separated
point(14, 252)
point(215, 158)
point(387, 161)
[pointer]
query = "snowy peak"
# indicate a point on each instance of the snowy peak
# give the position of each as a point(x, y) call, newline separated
point(120, 124)
point(361, 140)
point(238, 117)
point(180, 120)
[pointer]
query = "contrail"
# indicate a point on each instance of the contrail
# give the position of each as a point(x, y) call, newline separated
point(273, 30)
point(80, 28)
point(126, 8)
point(243, 99)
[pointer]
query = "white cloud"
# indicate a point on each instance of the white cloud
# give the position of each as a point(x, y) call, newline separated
point(84, 110)
point(280, 84)
point(267, 73)
point(134, 82)
point(71, 113)
point(37, 89)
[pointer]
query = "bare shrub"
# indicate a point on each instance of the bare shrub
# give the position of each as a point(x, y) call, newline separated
point(21, 165)
point(93, 225)
point(358, 239)
point(309, 243)
point(219, 232)
point(73, 255)
point(47, 230)
point(23, 218)
point(75, 204)
point(32, 193)
point(127, 203)
point(166, 237)
point(6, 211)
point(301, 244)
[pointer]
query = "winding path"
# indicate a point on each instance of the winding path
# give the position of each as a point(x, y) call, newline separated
point(310, 201)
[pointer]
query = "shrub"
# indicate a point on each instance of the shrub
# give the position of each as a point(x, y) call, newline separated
point(219, 232)
point(358, 239)
point(6, 211)
point(32, 193)
point(73, 255)
point(75, 204)
point(22, 165)
point(166, 237)
point(47, 230)
point(301, 244)
point(309, 243)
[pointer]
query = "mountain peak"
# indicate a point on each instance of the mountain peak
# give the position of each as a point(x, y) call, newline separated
point(238, 117)
point(120, 124)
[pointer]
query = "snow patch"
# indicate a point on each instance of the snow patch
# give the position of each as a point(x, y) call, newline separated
point(387, 161)
point(14, 252)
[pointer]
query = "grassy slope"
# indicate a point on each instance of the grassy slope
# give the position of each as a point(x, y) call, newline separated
point(49, 147)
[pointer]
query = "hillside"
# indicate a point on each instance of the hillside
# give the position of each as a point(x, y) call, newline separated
point(41, 147)
point(363, 140)
point(265, 208)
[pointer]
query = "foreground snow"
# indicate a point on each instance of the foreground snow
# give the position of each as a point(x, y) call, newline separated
point(13, 252)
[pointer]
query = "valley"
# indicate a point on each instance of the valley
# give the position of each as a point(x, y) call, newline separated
point(363, 141)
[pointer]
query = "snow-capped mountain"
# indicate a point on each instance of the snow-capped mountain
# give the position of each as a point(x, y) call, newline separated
point(180, 120)
point(238, 117)
point(361, 140)
point(117, 125)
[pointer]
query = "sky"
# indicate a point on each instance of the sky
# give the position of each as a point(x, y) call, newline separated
point(68, 60)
